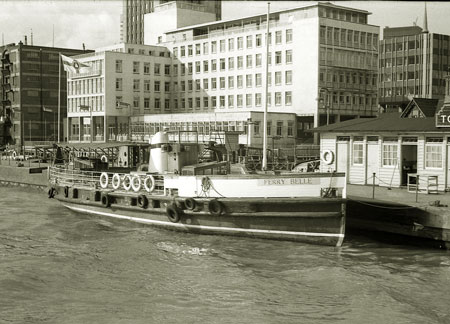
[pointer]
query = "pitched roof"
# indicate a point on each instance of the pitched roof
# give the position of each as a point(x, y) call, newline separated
point(425, 105)
point(388, 122)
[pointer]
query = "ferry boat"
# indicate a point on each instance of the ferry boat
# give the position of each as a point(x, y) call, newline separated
point(176, 192)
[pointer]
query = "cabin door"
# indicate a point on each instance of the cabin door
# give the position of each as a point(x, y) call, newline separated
point(342, 157)
point(373, 156)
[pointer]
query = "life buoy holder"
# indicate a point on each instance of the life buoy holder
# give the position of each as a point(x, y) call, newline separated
point(142, 201)
point(149, 187)
point(136, 183)
point(127, 182)
point(115, 182)
point(104, 159)
point(190, 203)
point(215, 207)
point(105, 199)
point(327, 156)
point(104, 180)
point(173, 213)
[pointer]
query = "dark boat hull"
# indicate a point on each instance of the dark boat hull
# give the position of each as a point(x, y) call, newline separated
point(309, 220)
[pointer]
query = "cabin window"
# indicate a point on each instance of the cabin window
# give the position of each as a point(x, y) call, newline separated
point(358, 153)
point(390, 152)
point(433, 153)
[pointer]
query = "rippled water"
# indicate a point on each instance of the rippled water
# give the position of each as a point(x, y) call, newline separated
point(61, 267)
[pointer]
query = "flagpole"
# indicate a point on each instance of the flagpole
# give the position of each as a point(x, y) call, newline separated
point(59, 96)
point(264, 160)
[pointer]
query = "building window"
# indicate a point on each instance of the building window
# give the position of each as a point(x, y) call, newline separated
point(119, 84)
point(240, 62)
point(157, 103)
point(213, 47)
point(205, 48)
point(136, 83)
point(157, 69)
point(239, 81)
point(222, 101)
point(257, 99)
point(240, 43)
point(205, 66)
point(213, 102)
point(213, 83)
point(248, 100)
point(197, 103)
point(190, 68)
point(288, 77)
point(277, 98)
point(146, 103)
point(231, 82)
point(135, 67)
point(197, 67)
point(290, 128)
point(249, 61)
point(279, 128)
point(278, 37)
point(278, 57)
point(258, 80)
point(239, 101)
point(288, 56)
point(230, 44)
point(118, 66)
point(288, 35)
point(390, 154)
point(157, 86)
point(288, 98)
point(230, 63)
point(269, 128)
point(197, 49)
point(358, 153)
point(249, 80)
point(249, 41)
point(147, 85)
point(166, 86)
point(197, 85)
point(222, 64)
point(433, 152)
point(136, 102)
point(258, 60)
point(213, 65)
point(205, 84)
point(258, 40)
point(205, 102)
point(278, 78)
point(230, 101)
point(222, 45)
point(222, 82)
point(189, 85)
point(146, 68)
point(190, 103)
point(167, 69)
point(256, 128)
point(166, 104)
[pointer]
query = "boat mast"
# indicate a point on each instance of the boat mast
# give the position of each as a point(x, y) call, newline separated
point(264, 160)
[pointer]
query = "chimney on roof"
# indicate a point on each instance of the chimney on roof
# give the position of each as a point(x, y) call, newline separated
point(425, 21)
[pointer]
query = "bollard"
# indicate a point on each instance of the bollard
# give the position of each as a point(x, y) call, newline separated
point(417, 187)
point(373, 185)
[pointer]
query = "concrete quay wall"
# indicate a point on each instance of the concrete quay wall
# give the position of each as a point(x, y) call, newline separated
point(23, 176)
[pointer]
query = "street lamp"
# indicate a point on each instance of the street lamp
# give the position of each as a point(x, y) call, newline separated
point(84, 108)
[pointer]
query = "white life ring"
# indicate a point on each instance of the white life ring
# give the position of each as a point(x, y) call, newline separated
point(104, 159)
point(151, 187)
point(104, 180)
point(115, 181)
point(127, 182)
point(14, 154)
point(327, 156)
point(136, 183)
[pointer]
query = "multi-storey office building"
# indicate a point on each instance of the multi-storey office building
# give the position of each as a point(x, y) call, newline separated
point(124, 80)
point(319, 51)
point(29, 88)
point(413, 63)
point(133, 11)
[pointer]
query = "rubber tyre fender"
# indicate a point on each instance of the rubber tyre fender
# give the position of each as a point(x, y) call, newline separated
point(105, 199)
point(66, 191)
point(142, 201)
point(51, 192)
point(215, 207)
point(190, 203)
point(173, 213)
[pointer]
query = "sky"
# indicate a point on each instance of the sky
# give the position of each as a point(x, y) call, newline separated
point(96, 23)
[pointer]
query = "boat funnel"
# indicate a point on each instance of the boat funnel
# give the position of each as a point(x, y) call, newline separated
point(159, 153)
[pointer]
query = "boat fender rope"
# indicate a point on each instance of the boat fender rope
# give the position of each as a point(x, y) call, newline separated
point(190, 203)
point(115, 181)
point(104, 180)
point(136, 183)
point(173, 213)
point(151, 187)
point(327, 156)
point(142, 201)
point(215, 207)
point(126, 182)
